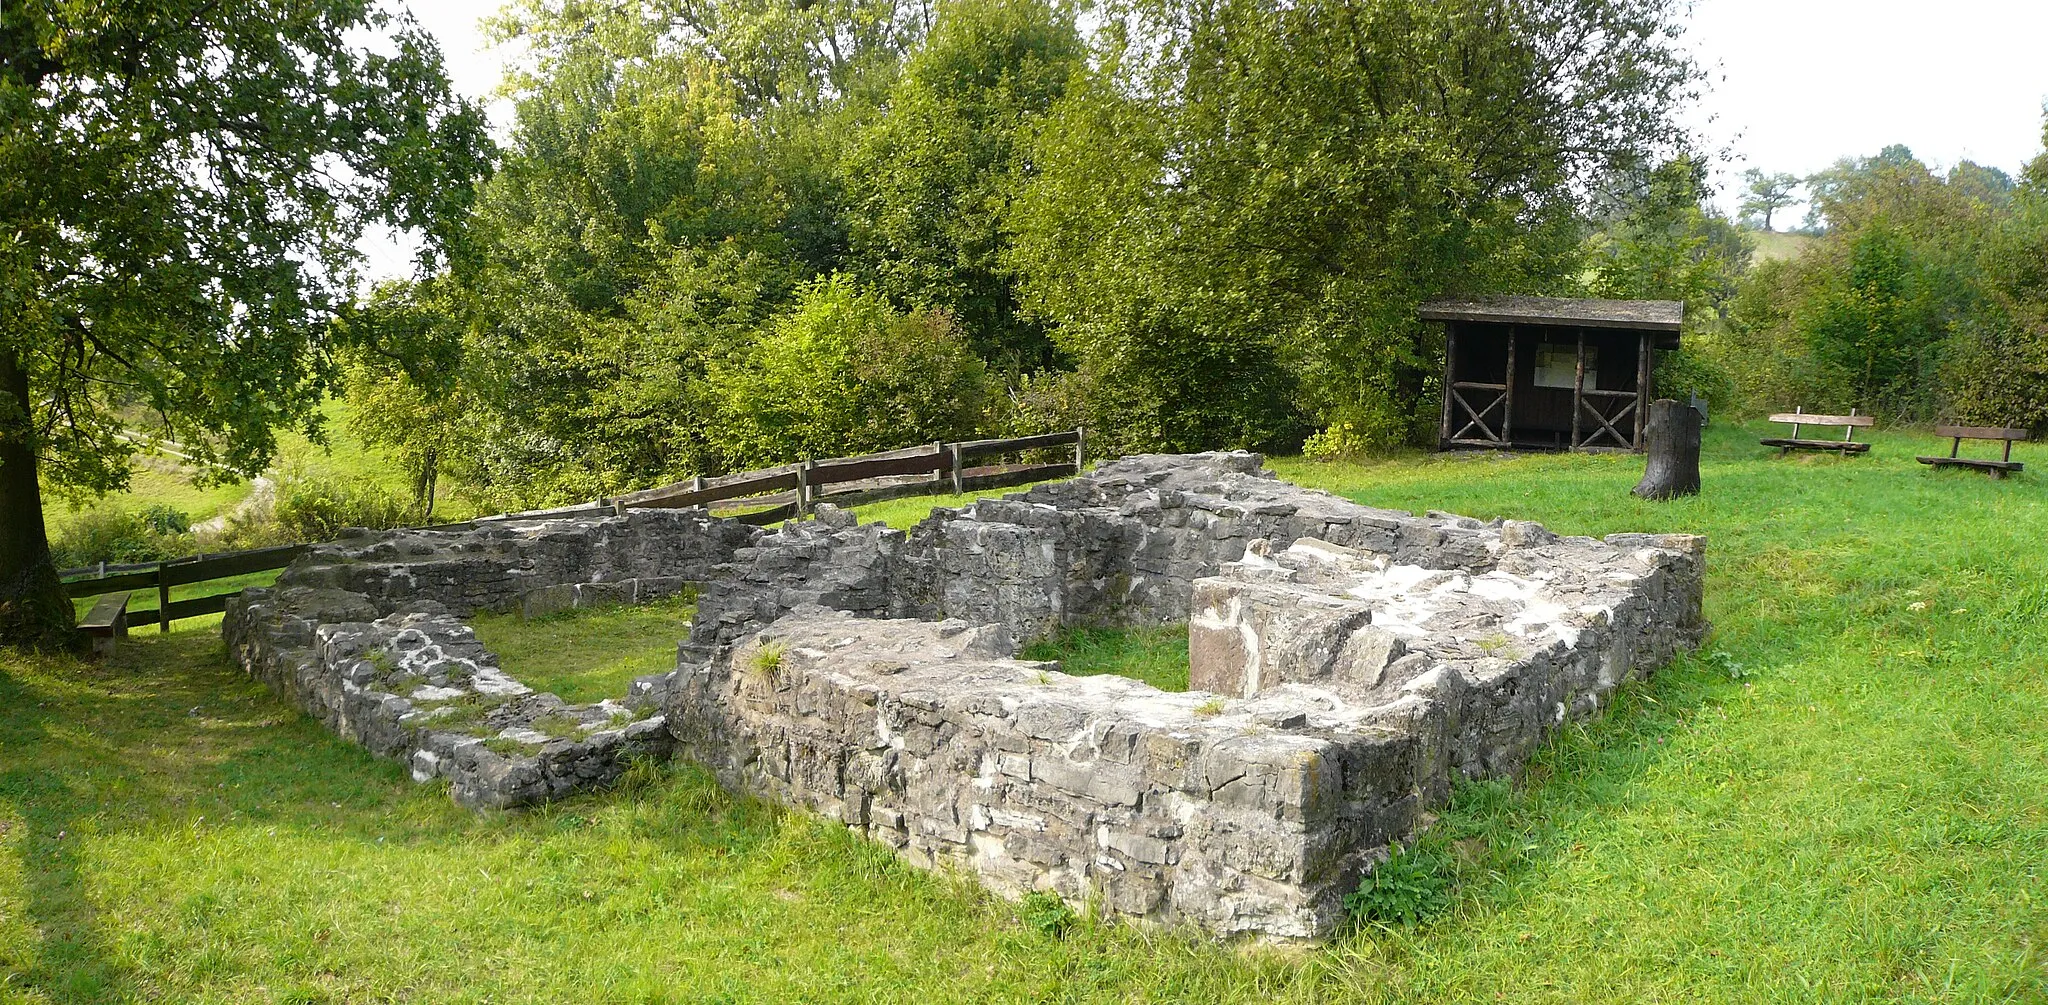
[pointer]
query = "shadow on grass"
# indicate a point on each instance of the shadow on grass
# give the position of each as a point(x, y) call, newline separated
point(168, 739)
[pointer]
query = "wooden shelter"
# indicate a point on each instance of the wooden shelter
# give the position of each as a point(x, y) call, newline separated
point(1545, 373)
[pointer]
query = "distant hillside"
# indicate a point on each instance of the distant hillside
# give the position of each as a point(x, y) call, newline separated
point(1773, 245)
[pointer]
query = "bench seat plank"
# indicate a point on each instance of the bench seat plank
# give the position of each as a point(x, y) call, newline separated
point(1999, 468)
point(106, 622)
point(1845, 446)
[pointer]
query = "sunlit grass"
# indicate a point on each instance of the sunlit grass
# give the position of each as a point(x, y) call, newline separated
point(1157, 656)
point(588, 655)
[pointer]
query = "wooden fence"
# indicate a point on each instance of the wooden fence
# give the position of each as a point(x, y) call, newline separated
point(180, 572)
point(757, 497)
point(793, 489)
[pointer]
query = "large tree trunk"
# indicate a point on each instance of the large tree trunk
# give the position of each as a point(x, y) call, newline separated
point(1673, 440)
point(34, 612)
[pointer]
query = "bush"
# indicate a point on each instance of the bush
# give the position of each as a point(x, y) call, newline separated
point(844, 372)
point(1410, 885)
point(118, 535)
point(1697, 367)
point(317, 509)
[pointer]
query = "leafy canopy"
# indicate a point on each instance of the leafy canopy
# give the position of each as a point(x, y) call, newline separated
point(182, 185)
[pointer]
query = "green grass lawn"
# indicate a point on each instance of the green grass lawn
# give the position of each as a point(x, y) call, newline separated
point(1847, 800)
point(588, 655)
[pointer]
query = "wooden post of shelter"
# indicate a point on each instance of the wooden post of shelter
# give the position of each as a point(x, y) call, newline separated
point(1643, 351)
point(1507, 394)
point(1579, 389)
point(1450, 377)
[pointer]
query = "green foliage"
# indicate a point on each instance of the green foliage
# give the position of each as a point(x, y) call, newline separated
point(1045, 913)
point(929, 181)
point(1896, 309)
point(119, 535)
point(162, 158)
point(1872, 324)
point(766, 659)
point(319, 509)
point(1996, 372)
point(1407, 888)
point(846, 373)
point(184, 189)
point(1237, 210)
point(403, 377)
point(1663, 242)
point(165, 519)
point(1764, 194)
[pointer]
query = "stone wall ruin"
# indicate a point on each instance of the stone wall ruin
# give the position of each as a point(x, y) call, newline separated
point(367, 634)
point(1347, 664)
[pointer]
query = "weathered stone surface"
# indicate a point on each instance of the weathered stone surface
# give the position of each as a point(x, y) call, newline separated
point(1368, 656)
point(1171, 807)
point(494, 566)
point(365, 635)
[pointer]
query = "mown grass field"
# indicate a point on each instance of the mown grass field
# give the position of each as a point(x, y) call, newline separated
point(1845, 800)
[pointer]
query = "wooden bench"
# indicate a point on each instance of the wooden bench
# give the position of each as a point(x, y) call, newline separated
point(1957, 434)
point(106, 623)
point(1846, 445)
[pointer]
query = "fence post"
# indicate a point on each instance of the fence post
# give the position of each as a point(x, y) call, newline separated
point(803, 487)
point(959, 488)
point(1080, 448)
point(163, 597)
point(938, 450)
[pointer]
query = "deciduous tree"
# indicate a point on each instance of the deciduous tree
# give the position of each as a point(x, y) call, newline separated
point(182, 185)
point(1765, 194)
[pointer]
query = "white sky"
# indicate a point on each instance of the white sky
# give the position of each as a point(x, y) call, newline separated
point(1795, 84)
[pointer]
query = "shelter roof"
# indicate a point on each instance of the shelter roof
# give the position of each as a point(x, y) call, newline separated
point(1634, 315)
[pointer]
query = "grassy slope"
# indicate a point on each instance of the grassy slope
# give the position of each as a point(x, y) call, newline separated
point(1859, 819)
point(165, 480)
point(1773, 245)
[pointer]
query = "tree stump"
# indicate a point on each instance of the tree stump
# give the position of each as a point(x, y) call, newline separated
point(1672, 437)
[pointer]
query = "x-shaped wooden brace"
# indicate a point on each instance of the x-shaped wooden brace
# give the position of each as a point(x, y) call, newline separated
point(1607, 425)
point(1478, 417)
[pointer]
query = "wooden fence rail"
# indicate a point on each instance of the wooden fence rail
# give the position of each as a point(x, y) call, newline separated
point(183, 571)
point(761, 497)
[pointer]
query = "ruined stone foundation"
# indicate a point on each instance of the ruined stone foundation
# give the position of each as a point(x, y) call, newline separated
point(1347, 664)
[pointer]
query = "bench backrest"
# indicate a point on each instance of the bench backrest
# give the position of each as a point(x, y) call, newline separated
point(1849, 423)
point(1816, 419)
point(1981, 433)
